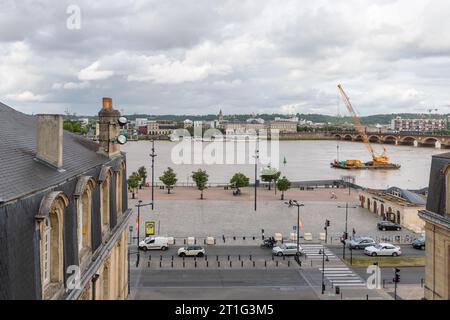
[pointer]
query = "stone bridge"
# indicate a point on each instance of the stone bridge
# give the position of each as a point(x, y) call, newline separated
point(404, 138)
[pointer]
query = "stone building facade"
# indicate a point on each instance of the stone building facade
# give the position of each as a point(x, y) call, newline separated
point(63, 209)
point(396, 205)
point(437, 230)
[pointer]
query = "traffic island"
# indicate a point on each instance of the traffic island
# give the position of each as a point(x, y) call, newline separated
point(385, 261)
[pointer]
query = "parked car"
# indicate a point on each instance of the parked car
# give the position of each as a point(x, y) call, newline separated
point(287, 249)
point(419, 243)
point(191, 251)
point(388, 225)
point(361, 243)
point(152, 243)
point(383, 249)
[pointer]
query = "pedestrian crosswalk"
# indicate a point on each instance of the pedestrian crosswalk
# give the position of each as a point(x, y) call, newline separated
point(312, 252)
point(342, 277)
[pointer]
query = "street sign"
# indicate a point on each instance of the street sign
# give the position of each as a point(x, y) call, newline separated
point(130, 228)
point(149, 228)
point(294, 227)
point(123, 131)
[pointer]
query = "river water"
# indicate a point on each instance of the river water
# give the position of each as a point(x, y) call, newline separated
point(304, 161)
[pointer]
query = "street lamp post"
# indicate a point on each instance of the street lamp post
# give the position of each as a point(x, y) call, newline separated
point(294, 203)
point(345, 237)
point(153, 155)
point(256, 156)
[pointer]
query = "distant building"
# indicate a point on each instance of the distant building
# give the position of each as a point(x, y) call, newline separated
point(394, 204)
point(187, 123)
point(161, 127)
point(437, 230)
point(255, 120)
point(220, 116)
point(420, 125)
point(292, 119)
point(84, 121)
point(63, 209)
point(141, 122)
point(283, 125)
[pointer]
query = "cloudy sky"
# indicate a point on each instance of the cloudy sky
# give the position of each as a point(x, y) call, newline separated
point(197, 56)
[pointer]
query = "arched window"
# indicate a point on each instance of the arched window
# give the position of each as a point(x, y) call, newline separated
point(83, 194)
point(50, 228)
point(105, 181)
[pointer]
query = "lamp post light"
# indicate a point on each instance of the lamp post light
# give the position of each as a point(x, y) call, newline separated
point(153, 155)
point(256, 156)
point(345, 236)
point(294, 203)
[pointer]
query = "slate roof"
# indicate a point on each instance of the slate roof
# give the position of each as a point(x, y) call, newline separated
point(408, 195)
point(20, 173)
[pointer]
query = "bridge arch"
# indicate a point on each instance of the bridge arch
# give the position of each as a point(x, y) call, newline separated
point(338, 137)
point(348, 137)
point(390, 140)
point(358, 138)
point(430, 142)
point(408, 141)
point(375, 139)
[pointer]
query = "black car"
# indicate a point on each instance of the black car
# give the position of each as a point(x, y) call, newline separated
point(388, 225)
point(419, 243)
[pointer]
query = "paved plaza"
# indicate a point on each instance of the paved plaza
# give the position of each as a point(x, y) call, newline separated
point(202, 218)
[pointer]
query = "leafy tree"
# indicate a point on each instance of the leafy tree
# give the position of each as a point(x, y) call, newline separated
point(270, 174)
point(169, 178)
point(283, 185)
point(133, 182)
point(142, 172)
point(239, 180)
point(201, 179)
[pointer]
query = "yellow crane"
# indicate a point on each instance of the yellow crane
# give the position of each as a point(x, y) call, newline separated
point(377, 159)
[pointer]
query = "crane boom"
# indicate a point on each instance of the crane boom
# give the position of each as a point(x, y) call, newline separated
point(376, 158)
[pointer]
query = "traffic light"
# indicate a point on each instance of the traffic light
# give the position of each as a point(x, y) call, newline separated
point(327, 223)
point(396, 275)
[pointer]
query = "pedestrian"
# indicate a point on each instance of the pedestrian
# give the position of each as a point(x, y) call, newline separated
point(353, 232)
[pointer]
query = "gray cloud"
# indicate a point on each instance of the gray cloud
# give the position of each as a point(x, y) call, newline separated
point(242, 56)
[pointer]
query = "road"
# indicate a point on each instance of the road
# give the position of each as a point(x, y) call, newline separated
point(408, 275)
point(220, 284)
point(257, 251)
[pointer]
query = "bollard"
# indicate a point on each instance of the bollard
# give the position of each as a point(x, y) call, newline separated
point(183, 264)
point(265, 263)
point(172, 257)
point(217, 258)
point(195, 264)
point(160, 257)
point(231, 264)
point(254, 238)
point(207, 264)
point(223, 238)
point(204, 241)
point(228, 258)
point(284, 258)
point(276, 263)
point(150, 257)
point(171, 263)
point(289, 263)
point(273, 258)
point(311, 263)
point(234, 238)
point(367, 297)
point(148, 265)
point(250, 257)
point(160, 264)
point(184, 241)
point(206, 257)
point(239, 257)
point(195, 258)
point(242, 263)
point(253, 264)
point(218, 263)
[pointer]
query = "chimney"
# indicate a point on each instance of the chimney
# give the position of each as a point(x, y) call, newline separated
point(50, 139)
point(108, 129)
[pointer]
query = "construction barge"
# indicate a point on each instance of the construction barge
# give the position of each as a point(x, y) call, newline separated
point(358, 165)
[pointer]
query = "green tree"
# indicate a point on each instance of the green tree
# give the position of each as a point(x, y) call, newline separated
point(283, 185)
point(270, 174)
point(201, 179)
point(133, 183)
point(169, 178)
point(142, 172)
point(239, 180)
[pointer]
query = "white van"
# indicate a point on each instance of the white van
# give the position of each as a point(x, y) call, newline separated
point(159, 243)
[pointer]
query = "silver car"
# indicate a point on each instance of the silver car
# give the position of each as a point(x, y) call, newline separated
point(383, 249)
point(361, 243)
point(287, 249)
